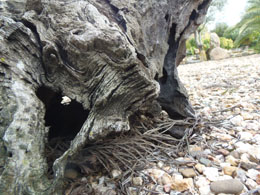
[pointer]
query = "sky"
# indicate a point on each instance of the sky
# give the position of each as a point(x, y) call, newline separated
point(231, 13)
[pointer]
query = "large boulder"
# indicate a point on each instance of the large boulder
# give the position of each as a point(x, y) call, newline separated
point(218, 54)
point(214, 40)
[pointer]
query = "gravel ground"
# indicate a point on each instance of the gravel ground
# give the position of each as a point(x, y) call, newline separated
point(224, 159)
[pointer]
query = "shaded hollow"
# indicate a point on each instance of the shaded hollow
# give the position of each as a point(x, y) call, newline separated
point(63, 120)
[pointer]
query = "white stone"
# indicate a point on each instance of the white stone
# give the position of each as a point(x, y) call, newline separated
point(160, 164)
point(252, 174)
point(137, 181)
point(256, 139)
point(211, 173)
point(225, 164)
point(243, 147)
point(237, 120)
point(65, 100)
point(224, 177)
point(251, 184)
point(245, 135)
point(116, 173)
point(201, 182)
point(176, 176)
point(205, 190)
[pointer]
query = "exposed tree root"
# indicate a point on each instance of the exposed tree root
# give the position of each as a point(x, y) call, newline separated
point(146, 143)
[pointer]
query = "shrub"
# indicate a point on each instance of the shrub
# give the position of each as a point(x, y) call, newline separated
point(226, 43)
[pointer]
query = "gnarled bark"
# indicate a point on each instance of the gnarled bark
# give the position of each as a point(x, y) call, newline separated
point(113, 57)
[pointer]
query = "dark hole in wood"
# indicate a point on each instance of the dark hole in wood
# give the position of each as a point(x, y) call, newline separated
point(63, 120)
point(166, 17)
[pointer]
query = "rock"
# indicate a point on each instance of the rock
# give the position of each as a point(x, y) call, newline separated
point(245, 136)
point(205, 162)
point(160, 164)
point(224, 177)
point(211, 173)
point(195, 151)
point(116, 173)
point(229, 170)
point(174, 193)
point(218, 54)
point(205, 190)
point(188, 173)
point(156, 173)
point(237, 120)
point(248, 165)
point(258, 179)
point(182, 185)
point(132, 191)
point(235, 154)
point(71, 173)
point(201, 182)
point(167, 188)
point(223, 152)
point(214, 40)
point(247, 116)
point(232, 160)
point(65, 100)
point(252, 174)
point(137, 181)
point(241, 175)
point(200, 167)
point(251, 184)
point(177, 176)
point(231, 186)
point(166, 179)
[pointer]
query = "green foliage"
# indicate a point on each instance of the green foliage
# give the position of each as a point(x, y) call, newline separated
point(231, 33)
point(220, 29)
point(191, 46)
point(206, 43)
point(249, 26)
point(226, 43)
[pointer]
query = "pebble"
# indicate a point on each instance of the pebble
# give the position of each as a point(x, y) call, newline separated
point(241, 175)
point(205, 190)
point(245, 135)
point(116, 173)
point(166, 179)
point(237, 120)
point(242, 147)
point(200, 167)
point(71, 173)
point(251, 184)
point(235, 154)
point(137, 181)
point(247, 116)
point(205, 162)
point(229, 170)
point(182, 185)
point(156, 173)
point(201, 182)
point(211, 173)
point(223, 152)
point(195, 151)
point(252, 174)
point(231, 186)
point(248, 165)
point(188, 173)
point(232, 160)
point(160, 164)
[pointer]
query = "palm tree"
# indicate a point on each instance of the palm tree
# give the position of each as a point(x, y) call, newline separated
point(249, 26)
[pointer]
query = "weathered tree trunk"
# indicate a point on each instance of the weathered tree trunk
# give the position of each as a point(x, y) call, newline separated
point(111, 57)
